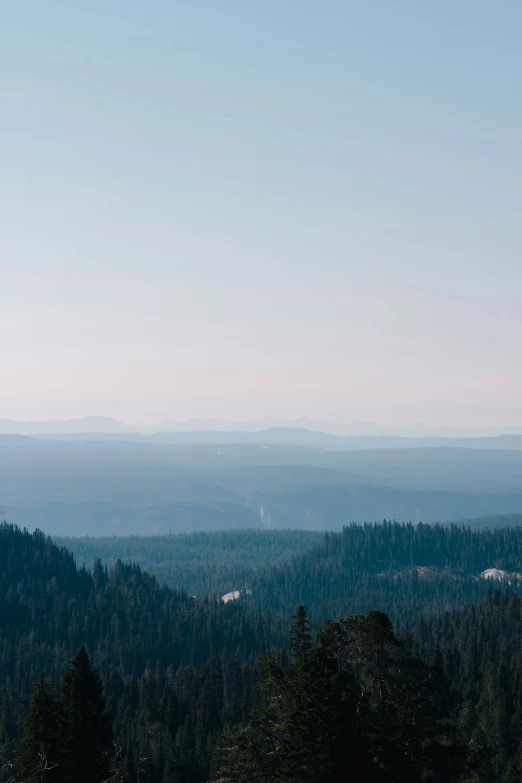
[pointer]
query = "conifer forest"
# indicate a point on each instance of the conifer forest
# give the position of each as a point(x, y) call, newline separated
point(379, 648)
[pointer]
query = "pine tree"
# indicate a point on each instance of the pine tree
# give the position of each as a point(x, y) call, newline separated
point(308, 728)
point(89, 745)
point(8, 736)
point(353, 701)
point(300, 637)
point(41, 758)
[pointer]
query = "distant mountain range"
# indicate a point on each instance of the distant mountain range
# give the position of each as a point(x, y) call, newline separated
point(97, 425)
point(120, 484)
point(287, 436)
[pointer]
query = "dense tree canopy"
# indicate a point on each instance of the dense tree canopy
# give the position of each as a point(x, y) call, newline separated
point(351, 700)
point(174, 672)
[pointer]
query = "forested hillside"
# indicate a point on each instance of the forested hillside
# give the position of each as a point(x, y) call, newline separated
point(479, 649)
point(198, 563)
point(177, 672)
point(419, 568)
point(165, 657)
point(503, 520)
point(405, 570)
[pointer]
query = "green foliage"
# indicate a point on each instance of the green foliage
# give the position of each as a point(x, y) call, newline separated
point(89, 741)
point(198, 563)
point(406, 570)
point(69, 740)
point(177, 670)
point(497, 521)
point(481, 658)
point(42, 756)
point(173, 667)
point(9, 735)
point(300, 637)
point(355, 701)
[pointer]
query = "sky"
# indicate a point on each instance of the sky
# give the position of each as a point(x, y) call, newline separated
point(248, 209)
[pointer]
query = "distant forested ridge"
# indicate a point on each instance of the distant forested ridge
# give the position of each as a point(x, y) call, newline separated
point(406, 570)
point(198, 563)
point(502, 520)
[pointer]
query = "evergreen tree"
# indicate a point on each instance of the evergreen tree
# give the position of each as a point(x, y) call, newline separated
point(41, 759)
point(300, 637)
point(307, 730)
point(89, 739)
point(8, 736)
point(355, 701)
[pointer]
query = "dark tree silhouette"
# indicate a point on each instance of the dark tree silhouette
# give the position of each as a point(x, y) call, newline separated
point(41, 758)
point(89, 739)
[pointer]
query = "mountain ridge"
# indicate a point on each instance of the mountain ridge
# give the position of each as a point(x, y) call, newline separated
point(283, 436)
point(356, 428)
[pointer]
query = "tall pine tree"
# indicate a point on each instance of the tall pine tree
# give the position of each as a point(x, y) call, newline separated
point(41, 759)
point(89, 745)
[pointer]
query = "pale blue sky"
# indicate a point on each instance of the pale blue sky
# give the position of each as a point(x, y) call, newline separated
point(249, 209)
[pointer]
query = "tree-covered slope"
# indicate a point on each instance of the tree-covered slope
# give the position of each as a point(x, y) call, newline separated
point(123, 615)
point(479, 649)
point(403, 569)
point(177, 670)
point(206, 563)
point(165, 657)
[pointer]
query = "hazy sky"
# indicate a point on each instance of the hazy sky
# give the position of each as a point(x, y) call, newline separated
point(249, 209)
